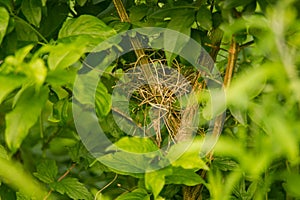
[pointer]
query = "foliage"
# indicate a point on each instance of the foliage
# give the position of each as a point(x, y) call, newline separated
point(43, 45)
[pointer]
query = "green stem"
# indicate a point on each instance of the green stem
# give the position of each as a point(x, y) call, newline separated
point(13, 174)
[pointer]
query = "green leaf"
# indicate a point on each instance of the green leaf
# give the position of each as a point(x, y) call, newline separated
point(102, 100)
point(37, 71)
point(32, 11)
point(155, 180)
point(190, 160)
point(4, 19)
point(136, 145)
point(138, 194)
point(72, 187)
point(136, 13)
point(24, 31)
point(25, 114)
point(3, 153)
point(228, 4)
point(63, 55)
point(14, 63)
point(6, 4)
point(85, 87)
point(129, 163)
point(56, 15)
point(239, 114)
point(291, 185)
point(187, 155)
point(60, 77)
point(46, 171)
point(181, 21)
point(9, 83)
point(6, 192)
point(92, 29)
point(81, 2)
point(184, 176)
point(204, 18)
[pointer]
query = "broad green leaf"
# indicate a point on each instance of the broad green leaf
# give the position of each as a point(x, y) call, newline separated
point(136, 145)
point(136, 13)
point(72, 187)
point(46, 171)
point(190, 160)
point(32, 11)
point(184, 176)
point(56, 15)
point(9, 83)
point(4, 19)
point(181, 21)
point(25, 114)
point(138, 194)
point(60, 77)
point(155, 180)
point(291, 185)
point(92, 29)
point(204, 18)
point(186, 155)
point(128, 163)
point(64, 55)
point(85, 88)
point(24, 31)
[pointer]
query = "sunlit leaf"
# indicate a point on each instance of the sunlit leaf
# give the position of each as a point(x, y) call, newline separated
point(155, 180)
point(24, 116)
point(64, 55)
point(136, 144)
point(184, 176)
point(9, 83)
point(4, 19)
point(92, 29)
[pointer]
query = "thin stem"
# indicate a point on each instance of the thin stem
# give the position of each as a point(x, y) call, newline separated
point(59, 179)
point(106, 186)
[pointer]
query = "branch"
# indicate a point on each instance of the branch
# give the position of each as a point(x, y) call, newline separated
point(59, 179)
point(13, 174)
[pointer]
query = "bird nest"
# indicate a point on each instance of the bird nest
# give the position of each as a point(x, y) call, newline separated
point(161, 100)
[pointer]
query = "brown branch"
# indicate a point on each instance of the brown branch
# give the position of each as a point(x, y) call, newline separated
point(232, 57)
point(192, 193)
point(59, 179)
